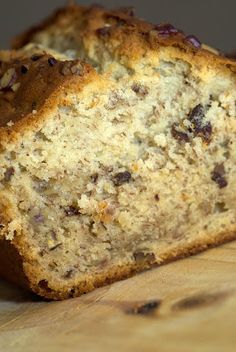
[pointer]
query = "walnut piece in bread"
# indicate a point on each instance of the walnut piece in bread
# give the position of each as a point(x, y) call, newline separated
point(111, 166)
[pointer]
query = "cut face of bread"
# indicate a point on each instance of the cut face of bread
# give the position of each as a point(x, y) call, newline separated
point(107, 170)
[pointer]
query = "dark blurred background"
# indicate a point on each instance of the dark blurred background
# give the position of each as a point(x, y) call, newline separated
point(213, 21)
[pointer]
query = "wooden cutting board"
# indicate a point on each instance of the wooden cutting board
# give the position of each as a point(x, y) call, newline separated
point(188, 305)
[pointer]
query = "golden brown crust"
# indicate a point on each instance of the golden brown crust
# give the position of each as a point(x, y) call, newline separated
point(31, 87)
point(26, 83)
point(125, 34)
point(15, 268)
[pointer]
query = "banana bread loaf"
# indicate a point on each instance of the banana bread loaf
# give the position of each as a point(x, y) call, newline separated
point(117, 150)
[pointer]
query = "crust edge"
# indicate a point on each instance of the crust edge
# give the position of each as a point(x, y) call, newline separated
point(14, 268)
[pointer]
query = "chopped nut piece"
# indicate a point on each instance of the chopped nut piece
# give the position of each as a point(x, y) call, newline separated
point(35, 57)
point(10, 123)
point(94, 177)
point(166, 30)
point(15, 87)
point(39, 218)
point(52, 61)
point(141, 257)
point(121, 178)
point(194, 41)
point(8, 174)
point(76, 69)
point(139, 89)
point(218, 176)
point(196, 115)
point(200, 128)
point(180, 136)
point(8, 79)
point(70, 67)
point(72, 211)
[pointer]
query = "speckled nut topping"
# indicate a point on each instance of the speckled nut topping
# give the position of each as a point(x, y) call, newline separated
point(117, 150)
point(112, 26)
point(27, 83)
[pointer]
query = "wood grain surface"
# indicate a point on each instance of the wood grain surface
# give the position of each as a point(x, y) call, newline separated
point(188, 305)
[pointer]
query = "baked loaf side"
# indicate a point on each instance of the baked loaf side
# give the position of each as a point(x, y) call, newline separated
point(116, 165)
point(112, 41)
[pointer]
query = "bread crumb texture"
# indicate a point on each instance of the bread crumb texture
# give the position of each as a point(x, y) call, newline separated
point(117, 150)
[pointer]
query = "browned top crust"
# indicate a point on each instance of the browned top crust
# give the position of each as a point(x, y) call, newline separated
point(122, 27)
point(27, 82)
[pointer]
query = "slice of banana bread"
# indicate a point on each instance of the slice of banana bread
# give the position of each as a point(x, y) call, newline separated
point(110, 167)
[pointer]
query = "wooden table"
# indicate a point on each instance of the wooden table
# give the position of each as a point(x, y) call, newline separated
point(188, 305)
